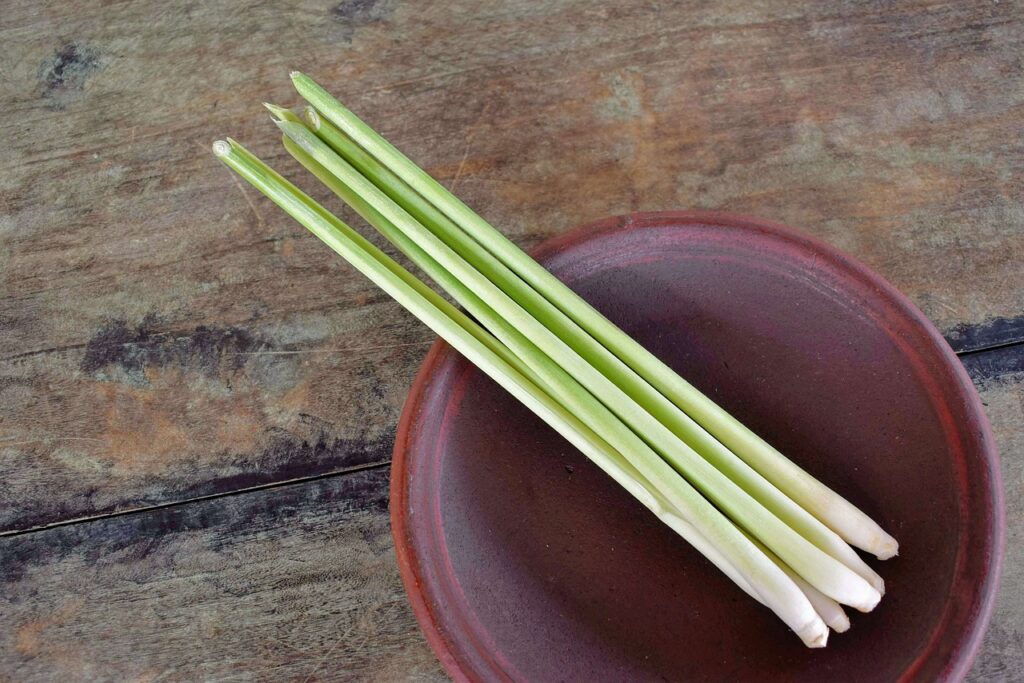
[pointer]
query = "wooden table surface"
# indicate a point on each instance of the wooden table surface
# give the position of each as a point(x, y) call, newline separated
point(198, 400)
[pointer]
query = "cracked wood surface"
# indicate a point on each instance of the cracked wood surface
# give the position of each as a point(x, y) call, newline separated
point(294, 583)
point(167, 336)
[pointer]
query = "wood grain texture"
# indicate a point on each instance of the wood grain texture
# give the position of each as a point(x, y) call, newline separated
point(166, 335)
point(1002, 655)
point(295, 583)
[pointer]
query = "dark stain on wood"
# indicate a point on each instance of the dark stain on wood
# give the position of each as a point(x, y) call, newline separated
point(302, 458)
point(208, 349)
point(969, 338)
point(357, 11)
point(65, 72)
point(299, 580)
point(142, 532)
point(285, 457)
point(1002, 364)
point(352, 14)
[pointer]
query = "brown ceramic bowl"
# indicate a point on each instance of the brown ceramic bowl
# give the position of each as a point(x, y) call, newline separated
point(525, 562)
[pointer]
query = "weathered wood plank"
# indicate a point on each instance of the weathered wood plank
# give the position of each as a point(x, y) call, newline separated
point(1000, 364)
point(987, 335)
point(1002, 655)
point(295, 583)
point(164, 334)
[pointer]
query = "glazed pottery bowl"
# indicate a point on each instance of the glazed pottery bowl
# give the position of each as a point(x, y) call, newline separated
point(525, 562)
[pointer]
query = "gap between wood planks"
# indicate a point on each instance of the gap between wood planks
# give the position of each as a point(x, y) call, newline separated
point(991, 347)
point(972, 352)
point(196, 499)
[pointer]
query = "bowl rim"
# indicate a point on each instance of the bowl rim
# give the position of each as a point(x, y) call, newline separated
point(446, 650)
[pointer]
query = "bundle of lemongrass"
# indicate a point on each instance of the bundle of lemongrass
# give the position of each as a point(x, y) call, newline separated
point(778, 533)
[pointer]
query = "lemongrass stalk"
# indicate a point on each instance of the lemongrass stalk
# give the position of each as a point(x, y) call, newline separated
point(610, 461)
point(435, 299)
point(282, 113)
point(545, 353)
point(832, 509)
point(820, 569)
point(592, 351)
point(830, 611)
point(776, 589)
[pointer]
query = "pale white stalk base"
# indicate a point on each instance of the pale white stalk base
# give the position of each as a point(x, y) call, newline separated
point(885, 548)
point(828, 609)
point(815, 634)
point(839, 514)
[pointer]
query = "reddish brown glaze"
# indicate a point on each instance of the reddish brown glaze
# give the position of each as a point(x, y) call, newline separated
point(524, 562)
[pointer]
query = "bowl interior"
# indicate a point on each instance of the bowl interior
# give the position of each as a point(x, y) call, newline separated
point(524, 561)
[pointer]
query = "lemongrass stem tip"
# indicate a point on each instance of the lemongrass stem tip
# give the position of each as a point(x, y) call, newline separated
point(275, 109)
point(312, 117)
point(869, 601)
point(815, 634)
point(886, 548)
point(221, 148)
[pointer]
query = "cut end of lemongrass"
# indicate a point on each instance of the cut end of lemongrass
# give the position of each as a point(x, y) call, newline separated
point(221, 148)
point(815, 634)
point(840, 623)
point(312, 117)
point(869, 575)
point(869, 600)
point(885, 548)
point(280, 113)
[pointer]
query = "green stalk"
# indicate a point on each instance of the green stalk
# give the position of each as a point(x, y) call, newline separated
point(593, 351)
point(432, 297)
point(830, 611)
point(776, 589)
point(282, 113)
point(609, 460)
point(835, 512)
point(820, 569)
point(618, 468)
